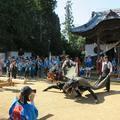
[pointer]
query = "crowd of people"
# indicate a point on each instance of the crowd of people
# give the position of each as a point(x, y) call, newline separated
point(39, 67)
point(29, 66)
point(23, 106)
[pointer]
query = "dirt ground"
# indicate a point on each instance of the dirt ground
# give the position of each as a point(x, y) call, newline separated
point(53, 105)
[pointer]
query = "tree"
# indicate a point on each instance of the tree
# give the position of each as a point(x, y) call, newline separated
point(68, 24)
point(16, 22)
point(50, 26)
point(29, 24)
point(74, 41)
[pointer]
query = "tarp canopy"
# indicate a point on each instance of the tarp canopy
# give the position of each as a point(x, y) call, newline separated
point(90, 48)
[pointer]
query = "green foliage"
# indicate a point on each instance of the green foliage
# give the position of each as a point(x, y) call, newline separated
point(73, 43)
point(68, 24)
point(51, 29)
point(47, 6)
point(14, 25)
point(30, 24)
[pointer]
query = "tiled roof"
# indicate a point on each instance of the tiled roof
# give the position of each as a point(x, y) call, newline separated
point(96, 18)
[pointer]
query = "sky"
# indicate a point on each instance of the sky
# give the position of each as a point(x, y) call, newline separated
point(82, 9)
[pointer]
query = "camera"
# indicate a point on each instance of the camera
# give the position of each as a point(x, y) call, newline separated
point(34, 90)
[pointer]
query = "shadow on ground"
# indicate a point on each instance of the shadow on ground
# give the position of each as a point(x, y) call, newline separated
point(4, 119)
point(43, 118)
point(10, 89)
point(46, 117)
point(88, 99)
point(29, 83)
point(55, 91)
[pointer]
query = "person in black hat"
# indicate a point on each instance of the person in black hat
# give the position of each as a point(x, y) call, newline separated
point(23, 107)
point(27, 94)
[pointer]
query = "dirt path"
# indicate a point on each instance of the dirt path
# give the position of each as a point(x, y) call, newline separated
point(53, 105)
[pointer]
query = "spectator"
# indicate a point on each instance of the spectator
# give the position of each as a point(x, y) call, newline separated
point(82, 71)
point(114, 64)
point(77, 66)
point(20, 52)
point(21, 109)
point(8, 65)
point(1, 66)
point(27, 65)
point(88, 65)
point(99, 65)
point(118, 71)
point(14, 69)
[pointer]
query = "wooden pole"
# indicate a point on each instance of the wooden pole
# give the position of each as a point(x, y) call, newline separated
point(98, 45)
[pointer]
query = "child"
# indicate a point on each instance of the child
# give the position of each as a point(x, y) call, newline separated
point(23, 107)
